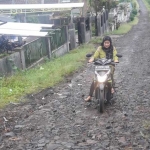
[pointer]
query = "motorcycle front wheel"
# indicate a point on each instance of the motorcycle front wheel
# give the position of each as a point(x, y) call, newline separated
point(108, 94)
point(100, 97)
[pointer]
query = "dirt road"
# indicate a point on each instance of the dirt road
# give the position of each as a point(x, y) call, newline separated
point(59, 119)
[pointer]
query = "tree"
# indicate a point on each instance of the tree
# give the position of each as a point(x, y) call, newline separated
point(97, 5)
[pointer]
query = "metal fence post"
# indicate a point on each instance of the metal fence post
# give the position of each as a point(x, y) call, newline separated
point(72, 38)
point(49, 51)
point(67, 37)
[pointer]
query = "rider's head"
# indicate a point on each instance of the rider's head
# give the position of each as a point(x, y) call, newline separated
point(107, 42)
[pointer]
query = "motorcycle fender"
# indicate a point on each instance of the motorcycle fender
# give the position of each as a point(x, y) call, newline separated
point(101, 86)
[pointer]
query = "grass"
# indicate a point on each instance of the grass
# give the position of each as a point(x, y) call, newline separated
point(137, 4)
point(96, 40)
point(3, 55)
point(125, 27)
point(147, 4)
point(43, 76)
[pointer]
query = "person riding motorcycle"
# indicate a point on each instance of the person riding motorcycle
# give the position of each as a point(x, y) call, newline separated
point(108, 51)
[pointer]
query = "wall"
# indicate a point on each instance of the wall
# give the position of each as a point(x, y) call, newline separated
point(60, 51)
point(87, 36)
point(34, 51)
point(29, 55)
point(7, 64)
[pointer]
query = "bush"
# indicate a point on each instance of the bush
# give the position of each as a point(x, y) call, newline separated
point(132, 17)
point(133, 14)
point(134, 11)
point(134, 5)
point(148, 1)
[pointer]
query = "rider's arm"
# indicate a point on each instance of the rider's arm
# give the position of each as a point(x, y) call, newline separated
point(115, 58)
point(96, 55)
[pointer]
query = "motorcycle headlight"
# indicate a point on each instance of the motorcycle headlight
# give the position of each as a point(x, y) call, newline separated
point(101, 78)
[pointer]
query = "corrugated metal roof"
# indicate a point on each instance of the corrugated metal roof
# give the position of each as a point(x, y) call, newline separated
point(24, 29)
point(42, 6)
point(23, 32)
point(24, 26)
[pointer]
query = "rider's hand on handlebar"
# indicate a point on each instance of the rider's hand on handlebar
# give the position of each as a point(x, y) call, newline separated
point(91, 60)
point(116, 61)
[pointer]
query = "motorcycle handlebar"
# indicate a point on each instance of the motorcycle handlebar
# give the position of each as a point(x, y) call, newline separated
point(111, 62)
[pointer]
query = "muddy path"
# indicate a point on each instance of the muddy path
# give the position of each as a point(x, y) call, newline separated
point(59, 119)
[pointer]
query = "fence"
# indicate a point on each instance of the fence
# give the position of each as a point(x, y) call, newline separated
point(59, 42)
point(58, 38)
point(34, 51)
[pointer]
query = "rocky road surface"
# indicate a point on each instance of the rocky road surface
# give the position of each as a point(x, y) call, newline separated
point(59, 119)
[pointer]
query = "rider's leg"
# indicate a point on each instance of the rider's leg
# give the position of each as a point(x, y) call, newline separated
point(112, 79)
point(92, 88)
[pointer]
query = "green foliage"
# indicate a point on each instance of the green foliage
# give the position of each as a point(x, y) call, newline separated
point(3, 55)
point(98, 4)
point(148, 1)
point(96, 40)
point(133, 14)
point(134, 5)
point(147, 4)
point(132, 17)
point(134, 11)
point(126, 27)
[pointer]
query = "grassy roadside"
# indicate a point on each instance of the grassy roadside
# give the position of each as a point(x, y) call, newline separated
point(137, 4)
point(125, 27)
point(96, 40)
point(147, 4)
point(43, 76)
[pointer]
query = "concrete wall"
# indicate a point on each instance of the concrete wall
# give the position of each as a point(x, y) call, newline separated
point(18, 59)
point(7, 64)
point(60, 51)
point(87, 36)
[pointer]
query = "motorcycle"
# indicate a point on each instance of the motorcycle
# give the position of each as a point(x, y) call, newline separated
point(104, 81)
